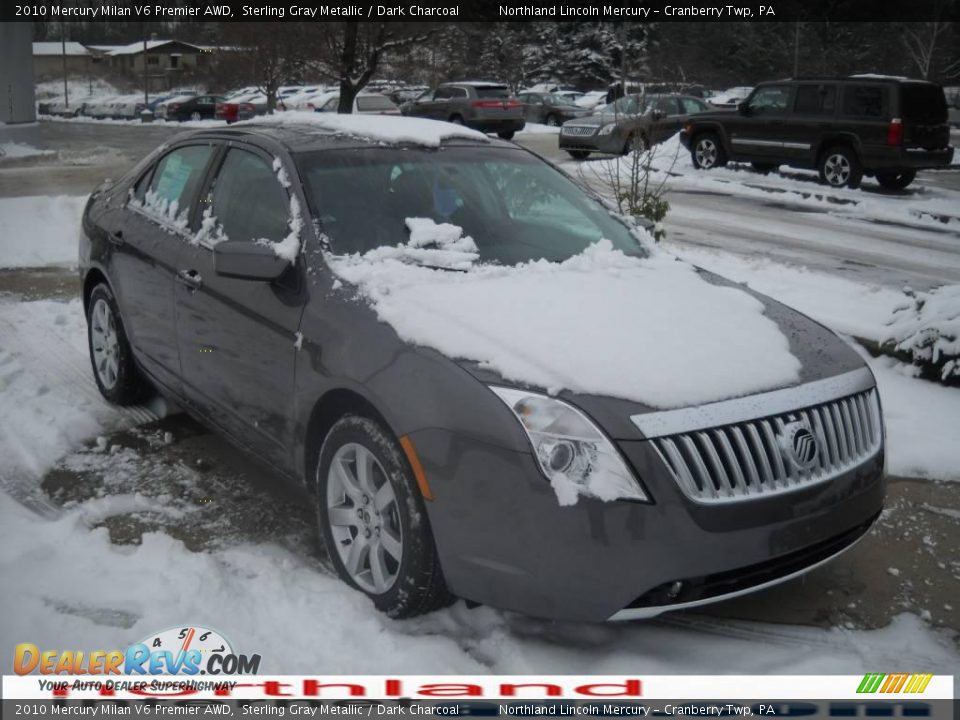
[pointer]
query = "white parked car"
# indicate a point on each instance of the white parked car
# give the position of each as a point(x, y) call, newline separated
point(363, 104)
point(591, 99)
point(731, 97)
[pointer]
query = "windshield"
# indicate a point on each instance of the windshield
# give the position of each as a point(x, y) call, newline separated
point(516, 207)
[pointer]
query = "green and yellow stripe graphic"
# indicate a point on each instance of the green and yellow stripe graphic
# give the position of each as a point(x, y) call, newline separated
point(894, 682)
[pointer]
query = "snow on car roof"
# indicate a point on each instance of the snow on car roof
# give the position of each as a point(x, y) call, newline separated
point(388, 129)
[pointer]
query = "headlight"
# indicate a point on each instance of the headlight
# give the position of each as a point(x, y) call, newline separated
point(607, 129)
point(571, 450)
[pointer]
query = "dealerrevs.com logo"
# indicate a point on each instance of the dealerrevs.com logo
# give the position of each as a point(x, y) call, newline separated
point(191, 650)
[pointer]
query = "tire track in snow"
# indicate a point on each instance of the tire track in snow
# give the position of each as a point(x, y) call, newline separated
point(40, 374)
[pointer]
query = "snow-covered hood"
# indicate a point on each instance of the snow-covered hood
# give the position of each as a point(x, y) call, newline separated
point(625, 333)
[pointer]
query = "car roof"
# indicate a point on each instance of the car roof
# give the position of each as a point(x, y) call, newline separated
point(865, 77)
point(298, 137)
point(475, 83)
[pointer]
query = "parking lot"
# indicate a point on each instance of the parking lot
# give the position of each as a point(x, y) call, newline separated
point(165, 489)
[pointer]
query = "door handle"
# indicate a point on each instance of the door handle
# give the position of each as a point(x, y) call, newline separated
point(116, 237)
point(190, 278)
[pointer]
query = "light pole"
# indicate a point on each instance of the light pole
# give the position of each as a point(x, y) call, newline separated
point(63, 55)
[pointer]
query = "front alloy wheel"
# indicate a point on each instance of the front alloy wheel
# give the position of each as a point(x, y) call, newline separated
point(707, 153)
point(364, 518)
point(373, 520)
point(118, 378)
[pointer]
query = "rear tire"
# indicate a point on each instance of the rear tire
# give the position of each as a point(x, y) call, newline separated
point(195, 116)
point(707, 152)
point(552, 120)
point(579, 154)
point(840, 167)
point(456, 120)
point(897, 180)
point(506, 135)
point(114, 369)
point(373, 520)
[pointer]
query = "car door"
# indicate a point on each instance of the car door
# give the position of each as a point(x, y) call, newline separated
point(146, 247)
point(669, 119)
point(237, 338)
point(532, 107)
point(814, 109)
point(756, 132)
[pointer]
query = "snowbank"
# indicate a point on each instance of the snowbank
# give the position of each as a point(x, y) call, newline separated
point(39, 230)
point(382, 128)
point(928, 328)
point(650, 330)
point(13, 150)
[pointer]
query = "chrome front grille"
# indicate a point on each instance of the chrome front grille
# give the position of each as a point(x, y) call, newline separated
point(578, 130)
point(776, 454)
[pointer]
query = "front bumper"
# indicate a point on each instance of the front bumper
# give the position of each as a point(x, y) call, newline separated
point(609, 143)
point(503, 539)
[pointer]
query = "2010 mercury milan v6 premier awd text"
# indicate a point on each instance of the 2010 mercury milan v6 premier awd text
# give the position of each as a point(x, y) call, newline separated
point(495, 387)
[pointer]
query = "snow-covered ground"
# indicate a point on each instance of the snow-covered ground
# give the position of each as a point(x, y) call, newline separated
point(279, 600)
point(12, 150)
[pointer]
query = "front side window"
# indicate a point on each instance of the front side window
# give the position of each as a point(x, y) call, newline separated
point(770, 100)
point(692, 105)
point(174, 183)
point(516, 208)
point(247, 202)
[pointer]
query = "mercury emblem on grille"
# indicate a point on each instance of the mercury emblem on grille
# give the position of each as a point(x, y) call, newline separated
point(799, 445)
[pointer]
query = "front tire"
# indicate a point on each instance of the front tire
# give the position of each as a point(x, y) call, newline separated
point(114, 369)
point(195, 116)
point(896, 180)
point(373, 520)
point(552, 120)
point(707, 152)
point(840, 167)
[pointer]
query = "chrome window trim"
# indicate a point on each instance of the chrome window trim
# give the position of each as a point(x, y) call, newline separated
point(752, 407)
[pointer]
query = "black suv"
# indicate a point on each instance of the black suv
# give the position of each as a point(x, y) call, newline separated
point(844, 127)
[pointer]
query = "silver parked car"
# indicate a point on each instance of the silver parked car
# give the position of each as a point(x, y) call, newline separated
point(632, 121)
point(484, 106)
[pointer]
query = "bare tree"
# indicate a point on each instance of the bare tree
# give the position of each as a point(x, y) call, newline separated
point(274, 53)
point(920, 40)
point(351, 52)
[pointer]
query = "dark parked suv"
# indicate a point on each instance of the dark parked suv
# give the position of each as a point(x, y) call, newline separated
point(484, 106)
point(846, 128)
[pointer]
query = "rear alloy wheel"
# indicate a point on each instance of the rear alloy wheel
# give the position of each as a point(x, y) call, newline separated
point(373, 520)
point(707, 153)
point(579, 154)
point(552, 120)
point(634, 142)
point(195, 115)
point(896, 180)
point(839, 167)
point(114, 369)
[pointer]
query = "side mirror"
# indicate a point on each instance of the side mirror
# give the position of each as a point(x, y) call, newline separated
point(247, 261)
point(743, 109)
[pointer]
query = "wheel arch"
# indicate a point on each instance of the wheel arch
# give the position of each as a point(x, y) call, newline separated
point(833, 140)
point(94, 277)
point(329, 408)
point(714, 128)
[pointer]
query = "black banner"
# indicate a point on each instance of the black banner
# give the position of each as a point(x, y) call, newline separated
point(484, 10)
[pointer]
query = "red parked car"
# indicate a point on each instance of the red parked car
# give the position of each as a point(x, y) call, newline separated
point(233, 111)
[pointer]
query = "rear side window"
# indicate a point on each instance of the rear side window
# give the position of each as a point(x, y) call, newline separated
point(816, 99)
point(923, 102)
point(867, 101)
point(248, 202)
point(493, 91)
point(667, 105)
point(443, 93)
point(175, 181)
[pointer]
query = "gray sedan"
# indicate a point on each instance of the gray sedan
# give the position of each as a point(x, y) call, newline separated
point(633, 121)
point(285, 283)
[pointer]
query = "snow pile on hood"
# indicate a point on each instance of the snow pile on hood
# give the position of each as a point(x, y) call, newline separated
point(382, 128)
point(431, 244)
point(929, 329)
point(650, 330)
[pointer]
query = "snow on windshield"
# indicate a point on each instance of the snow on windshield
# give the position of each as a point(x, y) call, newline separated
point(649, 329)
point(389, 129)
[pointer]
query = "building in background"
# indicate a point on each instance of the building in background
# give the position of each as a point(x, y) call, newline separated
point(50, 57)
point(168, 62)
